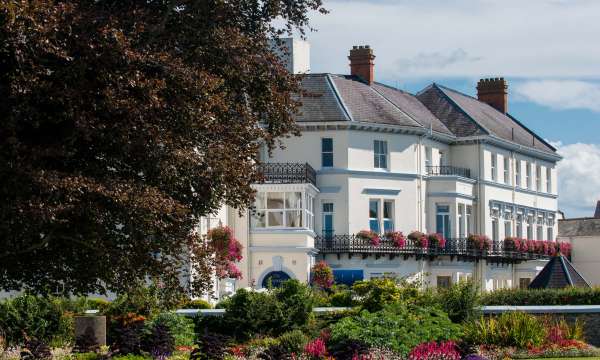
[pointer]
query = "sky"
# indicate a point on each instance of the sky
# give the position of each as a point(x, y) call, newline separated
point(548, 50)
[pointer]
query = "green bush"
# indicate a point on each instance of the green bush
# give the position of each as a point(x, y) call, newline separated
point(250, 313)
point(144, 300)
point(180, 327)
point(566, 296)
point(341, 298)
point(399, 327)
point(374, 294)
point(49, 319)
point(293, 341)
point(196, 304)
point(516, 329)
point(460, 301)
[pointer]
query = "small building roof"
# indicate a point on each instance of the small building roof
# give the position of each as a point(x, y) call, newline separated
point(578, 227)
point(557, 274)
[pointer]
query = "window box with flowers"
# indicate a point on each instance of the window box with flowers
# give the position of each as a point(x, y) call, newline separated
point(477, 242)
point(370, 236)
point(436, 241)
point(397, 238)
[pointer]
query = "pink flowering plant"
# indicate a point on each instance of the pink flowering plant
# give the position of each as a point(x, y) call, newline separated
point(397, 238)
point(541, 247)
point(316, 349)
point(479, 242)
point(436, 240)
point(446, 350)
point(322, 275)
point(369, 235)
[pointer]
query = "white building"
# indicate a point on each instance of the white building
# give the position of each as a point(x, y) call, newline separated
point(374, 157)
point(584, 236)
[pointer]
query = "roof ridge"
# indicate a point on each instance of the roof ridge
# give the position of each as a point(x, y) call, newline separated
point(339, 98)
point(455, 105)
point(566, 270)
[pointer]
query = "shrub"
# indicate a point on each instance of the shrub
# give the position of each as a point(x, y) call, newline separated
point(250, 313)
point(516, 329)
point(446, 350)
point(566, 296)
point(374, 294)
point(180, 327)
point(48, 319)
point(159, 342)
point(210, 347)
point(399, 327)
point(460, 301)
point(145, 300)
point(126, 334)
point(349, 349)
point(35, 349)
point(196, 304)
point(322, 276)
point(293, 341)
point(341, 298)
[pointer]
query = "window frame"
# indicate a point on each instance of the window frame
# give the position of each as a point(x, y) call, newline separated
point(517, 173)
point(548, 179)
point(380, 154)
point(390, 218)
point(326, 154)
point(377, 219)
point(304, 201)
point(506, 170)
point(494, 167)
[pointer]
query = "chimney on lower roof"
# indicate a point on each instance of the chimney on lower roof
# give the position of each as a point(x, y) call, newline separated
point(494, 92)
point(361, 63)
point(597, 213)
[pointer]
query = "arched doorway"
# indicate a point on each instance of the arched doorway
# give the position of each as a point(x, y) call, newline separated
point(274, 279)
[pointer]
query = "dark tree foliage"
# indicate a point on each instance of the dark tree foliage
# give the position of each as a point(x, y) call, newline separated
point(125, 121)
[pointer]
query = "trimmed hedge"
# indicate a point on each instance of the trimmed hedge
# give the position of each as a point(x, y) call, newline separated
point(567, 296)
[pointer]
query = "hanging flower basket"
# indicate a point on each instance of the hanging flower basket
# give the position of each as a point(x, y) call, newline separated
point(370, 236)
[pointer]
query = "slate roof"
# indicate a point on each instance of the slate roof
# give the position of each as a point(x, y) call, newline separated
point(469, 117)
point(557, 274)
point(345, 98)
point(579, 227)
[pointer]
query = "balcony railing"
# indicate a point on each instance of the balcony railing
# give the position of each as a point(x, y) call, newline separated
point(288, 173)
point(448, 170)
point(459, 248)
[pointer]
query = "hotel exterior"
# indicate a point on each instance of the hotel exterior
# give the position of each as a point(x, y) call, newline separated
point(372, 157)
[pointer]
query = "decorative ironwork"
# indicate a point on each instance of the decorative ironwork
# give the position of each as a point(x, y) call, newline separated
point(288, 173)
point(460, 248)
point(448, 170)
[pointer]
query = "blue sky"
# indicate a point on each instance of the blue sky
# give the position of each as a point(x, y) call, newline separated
point(546, 49)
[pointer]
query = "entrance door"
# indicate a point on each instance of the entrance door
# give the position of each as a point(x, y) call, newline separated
point(442, 220)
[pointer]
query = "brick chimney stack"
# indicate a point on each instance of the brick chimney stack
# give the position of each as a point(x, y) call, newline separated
point(361, 63)
point(597, 213)
point(494, 92)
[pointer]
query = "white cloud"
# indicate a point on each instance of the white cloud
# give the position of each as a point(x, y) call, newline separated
point(578, 178)
point(561, 94)
point(513, 38)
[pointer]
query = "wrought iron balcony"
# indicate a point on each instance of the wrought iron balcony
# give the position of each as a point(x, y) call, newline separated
point(288, 173)
point(448, 170)
point(455, 248)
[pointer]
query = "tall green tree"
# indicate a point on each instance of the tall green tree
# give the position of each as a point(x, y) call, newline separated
point(124, 121)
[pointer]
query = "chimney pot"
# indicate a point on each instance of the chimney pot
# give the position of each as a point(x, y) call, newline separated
point(362, 64)
point(494, 92)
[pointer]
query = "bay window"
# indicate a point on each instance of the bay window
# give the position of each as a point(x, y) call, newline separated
point(283, 209)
